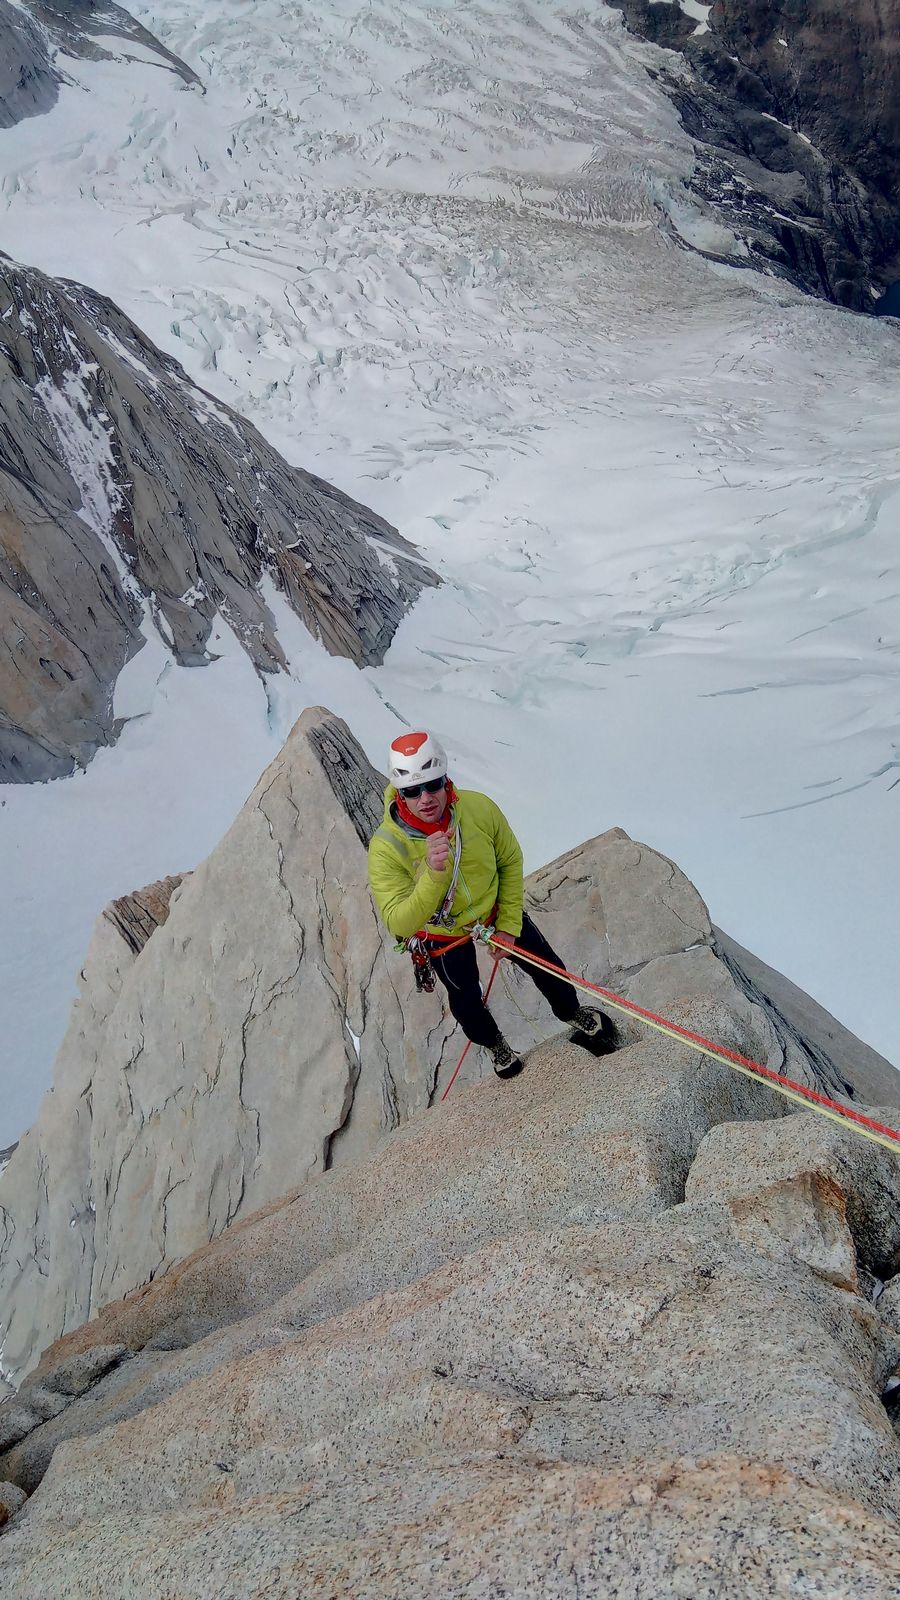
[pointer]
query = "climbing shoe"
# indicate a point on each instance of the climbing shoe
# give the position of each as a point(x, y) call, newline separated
point(594, 1031)
point(506, 1062)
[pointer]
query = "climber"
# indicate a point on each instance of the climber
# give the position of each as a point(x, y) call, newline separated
point(445, 860)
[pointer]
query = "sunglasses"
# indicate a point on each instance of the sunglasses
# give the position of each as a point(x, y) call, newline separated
point(415, 789)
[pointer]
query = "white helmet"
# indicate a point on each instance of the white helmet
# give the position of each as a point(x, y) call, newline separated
point(416, 758)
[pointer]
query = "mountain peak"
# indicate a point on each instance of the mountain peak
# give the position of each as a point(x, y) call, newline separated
point(132, 505)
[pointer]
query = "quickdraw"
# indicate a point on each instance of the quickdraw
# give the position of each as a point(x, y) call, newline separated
point(420, 947)
point(422, 968)
point(444, 918)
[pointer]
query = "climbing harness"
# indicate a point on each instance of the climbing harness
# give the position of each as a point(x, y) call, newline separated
point(809, 1099)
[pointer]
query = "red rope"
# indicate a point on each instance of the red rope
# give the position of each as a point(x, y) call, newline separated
point(717, 1049)
point(630, 1007)
point(447, 941)
point(469, 1045)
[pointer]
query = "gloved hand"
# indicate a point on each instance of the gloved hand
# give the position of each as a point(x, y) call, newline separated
point(502, 944)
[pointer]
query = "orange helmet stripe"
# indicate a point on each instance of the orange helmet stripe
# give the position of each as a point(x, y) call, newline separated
point(409, 743)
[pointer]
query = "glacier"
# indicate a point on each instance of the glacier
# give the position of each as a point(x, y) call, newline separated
point(444, 260)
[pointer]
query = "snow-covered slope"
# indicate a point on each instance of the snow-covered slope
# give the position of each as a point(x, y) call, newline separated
point(438, 258)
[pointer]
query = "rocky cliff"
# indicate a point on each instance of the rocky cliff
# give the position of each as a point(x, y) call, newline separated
point(610, 1330)
point(28, 83)
point(796, 112)
point(620, 1326)
point(36, 36)
point(130, 500)
point(251, 1026)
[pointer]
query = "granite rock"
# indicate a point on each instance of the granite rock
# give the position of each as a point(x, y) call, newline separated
point(132, 503)
point(891, 1297)
point(96, 30)
point(750, 1164)
point(221, 1063)
point(252, 1025)
point(12, 1499)
point(794, 113)
point(28, 83)
point(614, 1324)
point(553, 1376)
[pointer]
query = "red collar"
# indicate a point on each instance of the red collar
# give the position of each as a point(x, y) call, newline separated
point(411, 821)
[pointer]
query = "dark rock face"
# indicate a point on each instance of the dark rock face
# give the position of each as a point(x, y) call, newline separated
point(28, 83)
point(67, 626)
point(889, 303)
point(137, 916)
point(661, 21)
point(74, 28)
point(796, 108)
point(128, 498)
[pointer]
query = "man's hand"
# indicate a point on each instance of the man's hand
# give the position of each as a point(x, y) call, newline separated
point(437, 851)
point(502, 944)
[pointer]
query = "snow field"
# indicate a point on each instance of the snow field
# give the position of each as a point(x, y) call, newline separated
point(440, 265)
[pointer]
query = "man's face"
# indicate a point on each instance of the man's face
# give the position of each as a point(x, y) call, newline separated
point(428, 807)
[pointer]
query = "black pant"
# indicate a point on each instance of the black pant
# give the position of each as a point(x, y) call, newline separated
point(458, 972)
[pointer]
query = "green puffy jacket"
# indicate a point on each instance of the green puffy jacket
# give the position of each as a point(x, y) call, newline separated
point(407, 892)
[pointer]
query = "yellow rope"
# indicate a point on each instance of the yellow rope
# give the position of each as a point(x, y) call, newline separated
point(707, 1050)
point(513, 1001)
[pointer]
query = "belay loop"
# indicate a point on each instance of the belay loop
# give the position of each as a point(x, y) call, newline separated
point(421, 945)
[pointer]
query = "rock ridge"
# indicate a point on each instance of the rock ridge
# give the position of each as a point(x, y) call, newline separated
point(794, 109)
point(37, 35)
point(133, 504)
point(137, 916)
point(579, 1339)
point(28, 83)
point(254, 1026)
